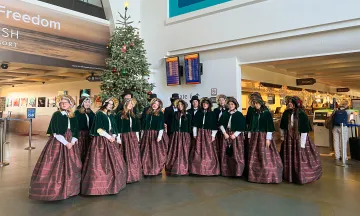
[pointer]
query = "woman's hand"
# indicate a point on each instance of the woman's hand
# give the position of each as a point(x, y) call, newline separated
point(158, 139)
point(69, 145)
point(212, 139)
point(226, 135)
point(268, 142)
point(112, 139)
point(233, 137)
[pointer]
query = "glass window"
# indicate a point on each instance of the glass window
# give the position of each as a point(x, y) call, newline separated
point(93, 2)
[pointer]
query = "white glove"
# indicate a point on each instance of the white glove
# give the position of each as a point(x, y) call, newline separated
point(303, 139)
point(160, 134)
point(249, 135)
point(137, 135)
point(60, 138)
point(282, 134)
point(269, 136)
point(118, 139)
point(103, 133)
point(195, 131)
point(114, 135)
point(74, 140)
point(237, 133)
point(213, 133)
point(222, 129)
point(142, 133)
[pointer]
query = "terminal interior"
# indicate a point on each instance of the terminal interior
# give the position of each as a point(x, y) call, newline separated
point(335, 76)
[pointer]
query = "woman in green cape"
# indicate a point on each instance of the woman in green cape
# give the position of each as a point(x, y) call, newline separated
point(104, 169)
point(57, 173)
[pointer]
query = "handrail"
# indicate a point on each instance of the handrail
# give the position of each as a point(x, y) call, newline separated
point(2, 143)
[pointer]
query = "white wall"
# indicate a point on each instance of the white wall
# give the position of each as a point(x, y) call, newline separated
point(248, 21)
point(256, 32)
point(223, 74)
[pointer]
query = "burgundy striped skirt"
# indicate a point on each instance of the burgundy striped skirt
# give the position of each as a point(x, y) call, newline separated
point(57, 173)
point(219, 141)
point(177, 162)
point(104, 170)
point(153, 153)
point(232, 165)
point(131, 152)
point(265, 164)
point(203, 159)
point(83, 143)
point(246, 156)
point(301, 165)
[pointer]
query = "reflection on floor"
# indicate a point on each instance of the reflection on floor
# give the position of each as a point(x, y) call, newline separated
point(337, 193)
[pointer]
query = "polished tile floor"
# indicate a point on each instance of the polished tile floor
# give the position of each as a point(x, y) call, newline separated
point(336, 193)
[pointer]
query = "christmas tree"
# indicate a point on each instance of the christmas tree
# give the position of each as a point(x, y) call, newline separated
point(127, 67)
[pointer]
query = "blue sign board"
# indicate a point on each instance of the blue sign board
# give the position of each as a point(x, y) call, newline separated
point(30, 114)
point(192, 69)
point(178, 7)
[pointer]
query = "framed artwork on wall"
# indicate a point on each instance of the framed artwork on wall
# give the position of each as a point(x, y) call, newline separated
point(8, 102)
point(16, 102)
point(32, 102)
point(23, 102)
point(85, 93)
point(51, 102)
point(41, 102)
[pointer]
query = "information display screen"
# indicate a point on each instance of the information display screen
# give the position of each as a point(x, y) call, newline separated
point(172, 71)
point(192, 69)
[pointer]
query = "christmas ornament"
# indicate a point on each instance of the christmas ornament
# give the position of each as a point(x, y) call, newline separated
point(123, 72)
point(114, 70)
point(132, 44)
point(149, 93)
point(123, 49)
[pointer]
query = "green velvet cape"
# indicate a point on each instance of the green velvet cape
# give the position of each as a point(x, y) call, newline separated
point(186, 125)
point(123, 125)
point(82, 120)
point(59, 125)
point(210, 120)
point(238, 121)
point(153, 122)
point(101, 121)
point(304, 125)
point(261, 122)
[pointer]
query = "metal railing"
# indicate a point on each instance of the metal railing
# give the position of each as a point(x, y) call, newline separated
point(3, 123)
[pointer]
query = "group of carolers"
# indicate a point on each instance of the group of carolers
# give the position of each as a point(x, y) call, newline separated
point(98, 154)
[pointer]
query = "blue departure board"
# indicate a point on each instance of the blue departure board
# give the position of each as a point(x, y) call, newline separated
point(172, 71)
point(192, 69)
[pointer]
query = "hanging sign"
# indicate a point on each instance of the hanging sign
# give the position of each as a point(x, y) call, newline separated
point(93, 78)
point(342, 90)
point(306, 81)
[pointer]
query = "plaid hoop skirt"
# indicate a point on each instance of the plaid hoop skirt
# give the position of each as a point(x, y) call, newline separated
point(153, 153)
point(83, 143)
point(265, 164)
point(232, 165)
point(301, 165)
point(104, 171)
point(203, 156)
point(57, 173)
point(131, 152)
point(177, 162)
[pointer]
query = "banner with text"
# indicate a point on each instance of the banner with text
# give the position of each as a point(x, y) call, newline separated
point(34, 34)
